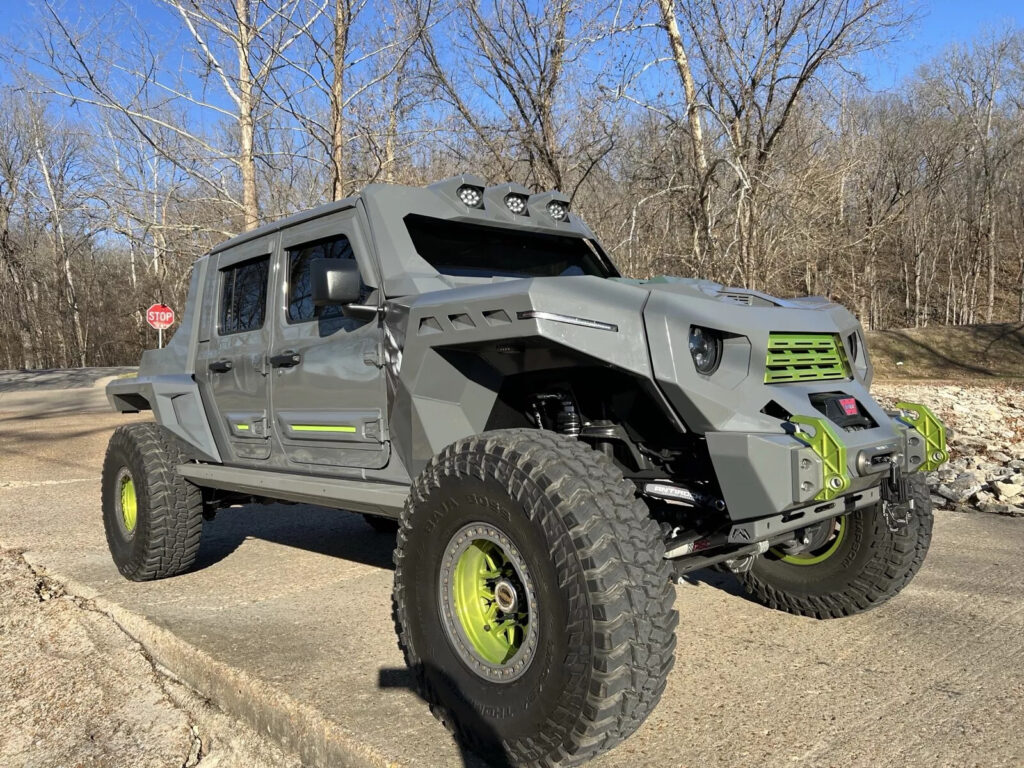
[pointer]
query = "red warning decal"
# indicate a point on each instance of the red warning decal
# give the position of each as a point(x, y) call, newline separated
point(849, 406)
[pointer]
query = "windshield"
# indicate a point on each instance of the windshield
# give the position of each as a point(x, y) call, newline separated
point(459, 249)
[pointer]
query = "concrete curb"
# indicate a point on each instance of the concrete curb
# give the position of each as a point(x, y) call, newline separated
point(296, 727)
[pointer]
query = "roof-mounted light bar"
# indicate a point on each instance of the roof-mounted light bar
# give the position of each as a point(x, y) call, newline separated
point(551, 205)
point(508, 199)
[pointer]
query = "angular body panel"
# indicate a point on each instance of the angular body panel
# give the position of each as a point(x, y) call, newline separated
point(452, 339)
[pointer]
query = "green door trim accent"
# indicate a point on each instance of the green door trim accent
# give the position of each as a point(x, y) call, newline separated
point(830, 449)
point(322, 428)
point(932, 430)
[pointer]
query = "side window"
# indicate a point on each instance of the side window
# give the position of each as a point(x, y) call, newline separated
point(243, 296)
point(300, 294)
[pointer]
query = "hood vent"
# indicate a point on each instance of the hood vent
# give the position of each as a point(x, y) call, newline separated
point(739, 298)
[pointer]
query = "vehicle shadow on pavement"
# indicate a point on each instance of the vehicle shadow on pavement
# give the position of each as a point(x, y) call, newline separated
point(726, 582)
point(324, 531)
point(487, 740)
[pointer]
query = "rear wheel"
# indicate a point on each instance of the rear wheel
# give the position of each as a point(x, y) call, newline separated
point(532, 600)
point(152, 516)
point(852, 563)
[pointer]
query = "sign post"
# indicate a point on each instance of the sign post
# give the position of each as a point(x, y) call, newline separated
point(160, 316)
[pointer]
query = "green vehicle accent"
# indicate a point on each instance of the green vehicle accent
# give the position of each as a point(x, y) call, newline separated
point(495, 637)
point(820, 555)
point(921, 418)
point(804, 357)
point(129, 503)
point(321, 428)
point(832, 452)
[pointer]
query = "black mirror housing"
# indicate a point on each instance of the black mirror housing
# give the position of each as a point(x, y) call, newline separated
point(334, 281)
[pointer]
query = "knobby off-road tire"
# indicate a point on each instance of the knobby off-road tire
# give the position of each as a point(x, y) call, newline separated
point(152, 516)
point(587, 560)
point(870, 565)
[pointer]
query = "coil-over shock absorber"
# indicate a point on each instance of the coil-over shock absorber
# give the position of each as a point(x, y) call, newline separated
point(557, 412)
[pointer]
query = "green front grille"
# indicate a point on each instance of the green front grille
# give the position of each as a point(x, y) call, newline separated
point(804, 357)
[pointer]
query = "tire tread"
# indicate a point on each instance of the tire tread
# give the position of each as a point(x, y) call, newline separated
point(629, 588)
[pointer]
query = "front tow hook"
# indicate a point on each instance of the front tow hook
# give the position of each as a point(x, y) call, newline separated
point(897, 502)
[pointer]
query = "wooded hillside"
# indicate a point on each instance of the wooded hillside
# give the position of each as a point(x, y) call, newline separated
point(723, 139)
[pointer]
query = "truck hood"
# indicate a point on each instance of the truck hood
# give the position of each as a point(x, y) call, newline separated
point(652, 320)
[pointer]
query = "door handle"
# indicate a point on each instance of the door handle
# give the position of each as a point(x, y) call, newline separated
point(221, 366)
point(287, 359)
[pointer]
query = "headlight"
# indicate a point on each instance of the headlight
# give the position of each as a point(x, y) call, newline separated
point(854, 349)
point(516, 203)
point(706, 349)
point(559, 211)
point(471, 196)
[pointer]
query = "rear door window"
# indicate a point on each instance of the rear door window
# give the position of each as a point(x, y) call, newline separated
point(243, 297)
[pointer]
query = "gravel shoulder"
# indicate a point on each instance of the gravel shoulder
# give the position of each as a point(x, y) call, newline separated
point(985, 426)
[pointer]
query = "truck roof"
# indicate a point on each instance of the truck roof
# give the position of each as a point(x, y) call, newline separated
point(287, 221)
point(401, 269)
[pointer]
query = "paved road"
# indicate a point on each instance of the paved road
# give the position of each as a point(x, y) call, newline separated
point(56, 378)
point(295, 600)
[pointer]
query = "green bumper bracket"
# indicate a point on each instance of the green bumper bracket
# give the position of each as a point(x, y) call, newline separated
point(830, 449)
point(932, 430)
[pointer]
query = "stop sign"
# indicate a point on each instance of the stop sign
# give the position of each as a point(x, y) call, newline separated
point(160, 316)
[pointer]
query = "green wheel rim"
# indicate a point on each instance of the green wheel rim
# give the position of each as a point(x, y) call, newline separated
point(819, 555)
point(129, 503)
point(488, 604)
point(495, 635)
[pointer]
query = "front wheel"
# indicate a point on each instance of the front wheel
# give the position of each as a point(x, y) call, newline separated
point(532, 600)
point(855, 562)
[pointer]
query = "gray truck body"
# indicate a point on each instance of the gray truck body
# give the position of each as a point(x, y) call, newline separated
point(442, 357)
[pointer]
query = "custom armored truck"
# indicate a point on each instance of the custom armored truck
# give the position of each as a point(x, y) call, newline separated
point(553, 442)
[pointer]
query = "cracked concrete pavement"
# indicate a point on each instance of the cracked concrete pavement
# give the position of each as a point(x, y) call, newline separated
point(285, 623)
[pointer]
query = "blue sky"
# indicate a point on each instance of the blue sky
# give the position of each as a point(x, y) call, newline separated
point(941, 22)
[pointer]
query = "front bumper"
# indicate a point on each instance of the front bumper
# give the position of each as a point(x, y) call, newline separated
point(816, 463)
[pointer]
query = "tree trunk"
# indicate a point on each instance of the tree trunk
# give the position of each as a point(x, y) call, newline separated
point(246, 117)
point(700, 160)
point(342, 23)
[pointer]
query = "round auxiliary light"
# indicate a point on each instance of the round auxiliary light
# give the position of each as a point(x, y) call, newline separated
point(706, 349)
point(470, 196)
point(559, 211)
point(516, 203)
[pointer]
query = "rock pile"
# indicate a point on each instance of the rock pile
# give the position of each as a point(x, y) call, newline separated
point(986, 441)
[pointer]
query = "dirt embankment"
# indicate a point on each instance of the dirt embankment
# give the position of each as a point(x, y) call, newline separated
point(974, 353)
point(77, 691)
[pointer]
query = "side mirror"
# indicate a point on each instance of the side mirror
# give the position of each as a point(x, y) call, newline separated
point(334, 281)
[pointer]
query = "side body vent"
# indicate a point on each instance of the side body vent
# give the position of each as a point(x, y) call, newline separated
point(804, 357)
